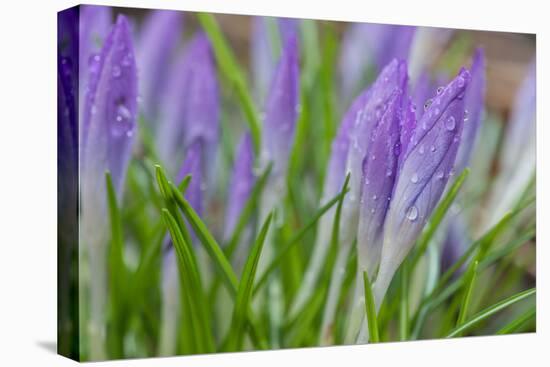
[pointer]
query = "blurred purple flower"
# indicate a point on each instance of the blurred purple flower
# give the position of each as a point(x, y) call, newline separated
point(264, 52)
point(159, 40)
point(193, 165)
point(427, 165)
point(240, 185)
point(455, 243)
point(190, 109)
point(281, 110)
point(111, 110)
point(474, 102)
point(370, 47)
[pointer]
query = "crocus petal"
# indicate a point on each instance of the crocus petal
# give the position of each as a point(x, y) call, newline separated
point(428, 164)
point(379, 171)
point(474, 101)
point(160, 36)
point(95, 24)
point(377, 100)
point(191, 106)
point(110, 116)
point(241, 183)
point(281, 110)
point(262, 50)
point(192, 165)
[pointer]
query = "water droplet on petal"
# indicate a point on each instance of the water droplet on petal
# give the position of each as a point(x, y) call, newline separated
point(439, 90)
point(412, 213)
point(427, 104)
point(414, 178)
point(439, 175)
point(116, 71)
point(450, 123)
point(460, 82)
point(432, 148)
point(374, 197)
point(421, 149)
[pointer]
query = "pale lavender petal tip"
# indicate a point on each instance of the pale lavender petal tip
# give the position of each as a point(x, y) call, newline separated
point(159, 39)
point(281, 109)
point(241, 183)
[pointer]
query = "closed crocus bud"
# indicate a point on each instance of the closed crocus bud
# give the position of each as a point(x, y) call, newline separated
point(474, 102)
point(192, 165)
point(379, 172)
point(240, 185)
point(190, 109)
point(265, 32)
point(370, 47)
point(427, 165)
point(107, 135)
point(334, 180)
point(159, 39)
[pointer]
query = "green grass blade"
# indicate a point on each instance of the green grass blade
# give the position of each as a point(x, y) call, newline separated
point(519, 322)
point(208, 241)
point(404, 303)
point(192, 290)
point(232, 72)
point(472, 274)
point(370, 310)
point(437, 216)
point(488, 312)
point(242, 302)
point(296, 239)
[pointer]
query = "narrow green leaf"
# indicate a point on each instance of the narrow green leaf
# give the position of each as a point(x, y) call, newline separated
point(519, 322)
point(404, 302)
point(242, 302)
point(232, 72)
point(437, 216)
point(370, 310)
point(488, 312)
point(296, 239)
point(472, 274)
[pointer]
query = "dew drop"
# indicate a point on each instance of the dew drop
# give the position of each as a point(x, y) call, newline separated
point(373, 157)
point(116, 71)
point(450, 123)
point(432, 148)
point(412, 213)
point(439, 90)
point(439, 175)
point(367, 182)
point(427, 104)
point(374, 197)
point(421, 149)
point(414, 178)
point(460, 82)
point(372, 210)
point(388, 172)
point(436, 111)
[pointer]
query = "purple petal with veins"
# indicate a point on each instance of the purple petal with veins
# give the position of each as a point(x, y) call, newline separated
point(240, 185)
point(159, 39)
point(281, 110)
point(474, 102)
point(427, 166)
point(193, 165)
point(379, 171)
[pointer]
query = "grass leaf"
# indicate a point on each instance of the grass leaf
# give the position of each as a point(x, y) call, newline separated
point(489, 311)
point(472, 274)
point(370, 310)
point(519, 322)
point(244, 293)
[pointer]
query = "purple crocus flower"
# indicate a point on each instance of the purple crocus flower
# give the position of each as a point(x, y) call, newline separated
point(474, 101)
point(455, 243)
point(160, 37)
point(370, 47)
point(427, 165)
point(240, 185)
point(281, 110)
point(191, 107)
point(111, 111)
point(95, 24)
point(107, 135)
point(264, 52)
